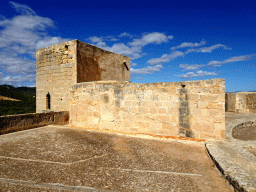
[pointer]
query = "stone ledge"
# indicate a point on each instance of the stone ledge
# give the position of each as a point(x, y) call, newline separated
point(231, 157)
point(228, 158)
point(12, 123)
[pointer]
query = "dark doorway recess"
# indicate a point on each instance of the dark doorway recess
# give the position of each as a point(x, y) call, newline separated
point(48, 101)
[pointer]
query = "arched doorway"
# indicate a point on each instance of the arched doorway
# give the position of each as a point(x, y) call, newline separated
point(48, 101)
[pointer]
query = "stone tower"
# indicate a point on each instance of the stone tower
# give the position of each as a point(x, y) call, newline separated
point(63, 65)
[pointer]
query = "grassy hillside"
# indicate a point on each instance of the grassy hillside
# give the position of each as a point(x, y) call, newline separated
point(26, 95)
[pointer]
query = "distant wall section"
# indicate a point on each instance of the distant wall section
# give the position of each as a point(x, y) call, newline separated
point(241, 102)
point(193, 109)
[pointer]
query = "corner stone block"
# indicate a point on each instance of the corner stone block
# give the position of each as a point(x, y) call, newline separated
point(208, 97)
point(222, 82)
point(162, 110)
point(216, 113)
point(219, 126)
point(209, 82)
point(192, 84)
point(215, 105)
point(193, 97)
point(220, 133)
point(203, 104)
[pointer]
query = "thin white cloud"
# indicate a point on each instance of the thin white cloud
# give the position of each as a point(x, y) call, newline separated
point(113, 39)
point(165, 58)
point(132, 49)
point(187, 67)
point(124, 34)
point(12, 63)
point(95, 39)
point(200, 73)
point(208, 49)
point(232, 60)
point(122, 49)
point(110, 38)
point(133, 64)
point(18, 80)
point(139, 78)
point(146, 70)
point(23, 9)
point(189, 44)
point(48, 41)
point(151, 38)
point(20, 37)
point(24, 31)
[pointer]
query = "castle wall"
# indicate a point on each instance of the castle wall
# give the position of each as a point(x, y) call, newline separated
point(241, 102)
point(230, 102)
point(196, 109)
point(63, 65)
point(95, 64)
point(56, 72)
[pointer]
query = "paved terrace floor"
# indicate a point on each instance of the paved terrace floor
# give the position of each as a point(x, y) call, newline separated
point(236, 157)
point(58, 158)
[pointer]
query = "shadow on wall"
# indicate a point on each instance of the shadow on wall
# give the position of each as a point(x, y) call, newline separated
point(184, 114)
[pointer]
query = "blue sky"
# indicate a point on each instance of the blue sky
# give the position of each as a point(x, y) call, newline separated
point(175, 41)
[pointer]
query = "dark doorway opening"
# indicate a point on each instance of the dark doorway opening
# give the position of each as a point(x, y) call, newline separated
point(48, 101)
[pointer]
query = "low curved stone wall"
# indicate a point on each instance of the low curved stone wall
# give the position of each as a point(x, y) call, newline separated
point(11, 123)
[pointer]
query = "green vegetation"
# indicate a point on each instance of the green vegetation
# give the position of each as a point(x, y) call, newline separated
point(27, 95)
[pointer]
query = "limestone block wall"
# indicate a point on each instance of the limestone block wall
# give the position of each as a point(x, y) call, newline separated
point(192, 108)
point(11, 123)
point(56, 72)
point(95, 64)
point(241, 102)
point(230, 102)
point(63, 65)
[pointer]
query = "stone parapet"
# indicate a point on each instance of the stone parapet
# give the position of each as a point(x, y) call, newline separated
point(11, 123)
point(193, 109)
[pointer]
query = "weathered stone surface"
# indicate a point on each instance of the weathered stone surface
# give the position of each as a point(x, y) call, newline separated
point(151, 108)
point(241, 102)
point(11, 123)
point(93, 84)
point(234, 157)
point(63, 65)
point(59, 158)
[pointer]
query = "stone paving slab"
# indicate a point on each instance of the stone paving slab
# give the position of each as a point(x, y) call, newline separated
point(58, 158)
point(236, 163)
point(235, 157)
